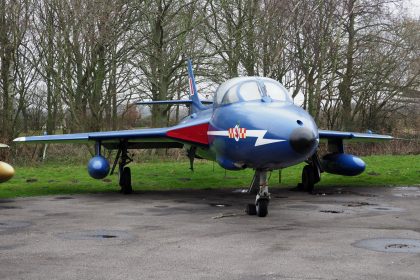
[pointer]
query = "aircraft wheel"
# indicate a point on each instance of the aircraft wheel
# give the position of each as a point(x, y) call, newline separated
point(300, 187)
point(125, 181)
point(262, 207)
point(308, 178)
point(251, 209)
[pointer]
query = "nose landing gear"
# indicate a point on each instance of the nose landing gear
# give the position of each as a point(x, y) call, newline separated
point(260, 208)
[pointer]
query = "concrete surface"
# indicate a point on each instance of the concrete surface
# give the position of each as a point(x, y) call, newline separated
point(187, 235)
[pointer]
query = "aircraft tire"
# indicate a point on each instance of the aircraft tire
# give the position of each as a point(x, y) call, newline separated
point(125, 181)
point(251, 209)
point(308, 178)
point(262, 207)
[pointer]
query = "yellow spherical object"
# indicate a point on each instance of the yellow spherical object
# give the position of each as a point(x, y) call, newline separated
point(6, 171)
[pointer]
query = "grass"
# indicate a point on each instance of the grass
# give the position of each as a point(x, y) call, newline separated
point(51, 179)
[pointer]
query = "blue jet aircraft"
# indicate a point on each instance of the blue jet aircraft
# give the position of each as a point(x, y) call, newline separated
point(252, 123)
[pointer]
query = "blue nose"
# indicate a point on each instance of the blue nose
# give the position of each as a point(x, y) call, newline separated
point(303, 140)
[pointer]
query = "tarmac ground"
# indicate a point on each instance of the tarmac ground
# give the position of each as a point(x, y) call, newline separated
point(337, 233)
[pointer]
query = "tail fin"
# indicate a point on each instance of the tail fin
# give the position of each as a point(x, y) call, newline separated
point(196, 103)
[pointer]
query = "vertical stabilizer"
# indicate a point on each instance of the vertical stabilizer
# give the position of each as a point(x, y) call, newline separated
point(196, 103)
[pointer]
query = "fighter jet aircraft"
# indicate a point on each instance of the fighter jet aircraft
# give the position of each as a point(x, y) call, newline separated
point(252, 123)
point(6, 170)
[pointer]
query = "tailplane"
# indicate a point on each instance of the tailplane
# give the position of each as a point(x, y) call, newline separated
point(194, 102)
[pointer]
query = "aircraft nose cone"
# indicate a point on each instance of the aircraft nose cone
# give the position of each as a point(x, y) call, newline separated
point(303, 140)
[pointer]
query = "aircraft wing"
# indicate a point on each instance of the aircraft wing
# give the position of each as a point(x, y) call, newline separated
point(169, 137)
point(3, 146)
point(352, 136)
point(172, 102)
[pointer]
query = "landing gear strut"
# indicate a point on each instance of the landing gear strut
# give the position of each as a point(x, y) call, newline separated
point(311, 174)
point(260, 208)
point(124, 172)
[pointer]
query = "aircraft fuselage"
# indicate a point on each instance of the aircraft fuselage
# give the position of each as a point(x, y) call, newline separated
point(258, 134)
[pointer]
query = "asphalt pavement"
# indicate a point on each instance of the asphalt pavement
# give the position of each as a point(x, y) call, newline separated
point(337, 233)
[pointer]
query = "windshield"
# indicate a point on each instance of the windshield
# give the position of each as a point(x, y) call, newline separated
point(248, 89)
point(276, 91)
point(245, 91)
point(231, 95)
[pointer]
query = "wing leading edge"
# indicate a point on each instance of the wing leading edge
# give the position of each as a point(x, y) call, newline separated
point(352, 136)
point(195, 133)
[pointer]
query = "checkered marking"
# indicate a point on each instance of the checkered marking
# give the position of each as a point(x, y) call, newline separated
point(237, 133)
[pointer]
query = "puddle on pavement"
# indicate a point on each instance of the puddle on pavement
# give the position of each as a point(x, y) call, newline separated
point(240, 191)
point(100, 234)
point(406, 191)
point(332, 211)
point(63, 197)
point(342, 192)
point(385, 208)
point(221, 205)
point(390, 245)
point(10, 225)
point(6, 200)
point(406, 188)
point(359, 204)
point(9, 207)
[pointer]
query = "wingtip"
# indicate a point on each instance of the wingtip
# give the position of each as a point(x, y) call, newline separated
point(20, 139)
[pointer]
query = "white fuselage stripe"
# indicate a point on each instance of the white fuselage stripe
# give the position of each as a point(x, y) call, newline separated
point(218, 133)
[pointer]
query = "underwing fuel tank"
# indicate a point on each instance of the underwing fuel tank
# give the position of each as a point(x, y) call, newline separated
point(343, 164)
point(6, 172)
point(98, 167)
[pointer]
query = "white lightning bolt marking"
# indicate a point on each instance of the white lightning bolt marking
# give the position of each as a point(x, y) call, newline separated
point(260, 137)
point(250, 133)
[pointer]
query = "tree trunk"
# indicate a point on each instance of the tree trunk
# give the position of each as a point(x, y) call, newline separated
point(345, 85)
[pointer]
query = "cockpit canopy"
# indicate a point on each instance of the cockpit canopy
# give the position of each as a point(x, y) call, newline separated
point(249, 89)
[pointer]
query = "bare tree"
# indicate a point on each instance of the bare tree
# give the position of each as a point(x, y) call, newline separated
point(165, 32)
point(15, 75)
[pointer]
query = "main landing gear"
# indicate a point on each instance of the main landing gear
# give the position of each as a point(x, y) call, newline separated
point(311, 174)
point(124, 172)
point(259, 186)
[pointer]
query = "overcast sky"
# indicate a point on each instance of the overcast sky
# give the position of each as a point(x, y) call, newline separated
point(413, 7)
